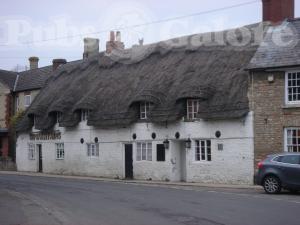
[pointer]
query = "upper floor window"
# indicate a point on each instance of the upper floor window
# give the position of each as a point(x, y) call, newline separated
point(203, 150)
point(58, 117)
point(192, 108)
point(293, 87)
point(27, 100)
point(85, 114)
point(17, 103)
point(145, 108)
point(293, 139)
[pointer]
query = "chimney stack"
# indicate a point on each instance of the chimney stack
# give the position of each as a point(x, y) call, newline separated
point(91, 47)
point(114, 42)
point(33, 62)
point(57, 62)
point(276, 11)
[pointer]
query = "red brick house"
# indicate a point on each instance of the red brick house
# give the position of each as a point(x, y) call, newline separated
point(7, 81)
point(17, 91)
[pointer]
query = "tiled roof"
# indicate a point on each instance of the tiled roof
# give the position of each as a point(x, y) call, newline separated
point(8, 78)
point(280, 47)
point(33, 79)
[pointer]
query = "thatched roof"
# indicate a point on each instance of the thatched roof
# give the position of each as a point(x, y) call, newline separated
point(165, 73)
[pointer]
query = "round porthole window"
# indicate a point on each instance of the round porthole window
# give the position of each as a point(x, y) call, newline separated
point(153, 135)
point(218, 134)
point(134, 136)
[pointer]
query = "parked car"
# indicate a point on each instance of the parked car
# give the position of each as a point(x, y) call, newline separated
point(279, 171)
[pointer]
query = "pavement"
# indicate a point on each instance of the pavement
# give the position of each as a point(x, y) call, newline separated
point(145, 182)
point(58, 200)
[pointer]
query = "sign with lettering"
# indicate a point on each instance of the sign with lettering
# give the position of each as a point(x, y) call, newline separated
point(56, 135)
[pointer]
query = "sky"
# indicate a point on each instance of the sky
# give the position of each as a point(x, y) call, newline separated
point(52, 29)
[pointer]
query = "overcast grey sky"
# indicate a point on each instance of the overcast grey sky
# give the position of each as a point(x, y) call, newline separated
point(33, 21)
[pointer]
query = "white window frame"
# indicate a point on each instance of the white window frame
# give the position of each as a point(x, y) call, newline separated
point(60, 151)
point(144, 151)
point(207, 147)
point(93, 150)
point(145, 108)
point(288, 144)
point(31, 151)
point(192, 106)
point(287, 101)
point(84, 114)
point(25, 101)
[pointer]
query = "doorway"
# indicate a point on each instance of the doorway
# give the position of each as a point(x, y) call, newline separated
point(40, 158)
point(128, 161)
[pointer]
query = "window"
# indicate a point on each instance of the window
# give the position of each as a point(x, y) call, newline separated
point(293, 87)
point(17, 103)
point(84, 114)
point(58, 117)
point(145, 108)
point(27, 100)
point(31, 151)
point(144, 151)
point(192, 108)
point(203, 150)
point(160, 153)
point(93, 150)
point(293, 139)
point(290, 159)
point(60, 150)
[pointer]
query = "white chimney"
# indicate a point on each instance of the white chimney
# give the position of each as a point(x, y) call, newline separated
point(91, 47)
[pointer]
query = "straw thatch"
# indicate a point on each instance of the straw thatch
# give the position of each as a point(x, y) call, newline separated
point(166, 74)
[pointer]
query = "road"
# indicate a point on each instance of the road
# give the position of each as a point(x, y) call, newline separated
point(26, 200)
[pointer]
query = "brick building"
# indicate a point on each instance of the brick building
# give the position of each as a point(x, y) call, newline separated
point(274, 87)
point(7, 81)
point(17, 91)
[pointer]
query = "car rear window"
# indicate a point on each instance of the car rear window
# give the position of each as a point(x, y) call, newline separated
point(291, 159)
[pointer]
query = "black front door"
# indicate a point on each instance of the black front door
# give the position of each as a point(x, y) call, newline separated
point(128, 162)
point(39, 147)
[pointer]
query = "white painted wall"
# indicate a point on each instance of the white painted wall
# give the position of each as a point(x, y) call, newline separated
point(233, 165)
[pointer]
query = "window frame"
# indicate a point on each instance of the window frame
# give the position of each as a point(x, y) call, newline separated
point(60, 156)
point(145, 108)
point(25, 97)
point(287, 101)
point(193, 107)
point(84, 115)
point(96, 150)
point(198, 150)
point(31, 151)
point(286, 142)
point(143, 154)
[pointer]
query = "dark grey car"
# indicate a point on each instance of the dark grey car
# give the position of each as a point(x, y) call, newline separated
point(279, 171)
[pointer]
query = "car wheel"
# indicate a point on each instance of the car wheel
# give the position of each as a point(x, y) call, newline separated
point(272, 185)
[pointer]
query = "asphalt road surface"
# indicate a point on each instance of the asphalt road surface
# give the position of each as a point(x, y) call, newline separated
point(28, 200)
